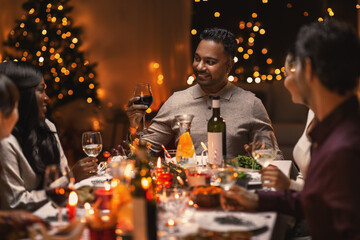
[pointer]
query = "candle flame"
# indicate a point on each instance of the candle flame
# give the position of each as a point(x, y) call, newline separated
point(114, 183)
point(73, 198)
point(158, 165)
point(145, 183)
point(87, 206)
point(171, 222)
point(107, 186)
point(128, 170)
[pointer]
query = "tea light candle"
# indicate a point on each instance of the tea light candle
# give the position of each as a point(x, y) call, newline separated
point(105, 195)
point(71, 207)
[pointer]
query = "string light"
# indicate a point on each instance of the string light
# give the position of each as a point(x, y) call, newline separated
point(216, 14)
point(306, 14)
point(249, 80)
point(240, 49)
point(193, 32)
point(256, 74)
point(257, 80)
point(190, 80)
point(231, 78)
point(320, 19)
point(89, 100)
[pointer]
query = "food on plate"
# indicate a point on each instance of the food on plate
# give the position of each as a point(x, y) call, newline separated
point(245, 162)
point(207, 190)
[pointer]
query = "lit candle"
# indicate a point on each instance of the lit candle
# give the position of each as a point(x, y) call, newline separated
point(171, 223)
point(71, 207)
point(159, 169)
point(105, 195)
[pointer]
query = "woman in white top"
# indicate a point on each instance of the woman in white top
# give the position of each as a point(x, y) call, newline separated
point(33, 144)
point(272, 176)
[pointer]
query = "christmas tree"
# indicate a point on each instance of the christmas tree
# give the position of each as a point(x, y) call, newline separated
point(45, 36)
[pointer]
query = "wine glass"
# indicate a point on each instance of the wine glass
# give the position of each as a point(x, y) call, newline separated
point(92, 145)
point(225, 177)
point(263, 148)
point(143, 91)
point(56, 187)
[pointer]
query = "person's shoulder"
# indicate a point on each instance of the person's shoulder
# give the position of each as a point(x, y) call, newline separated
point(9, 144)
point(50, 124)
point(182, 94)
point(8, 140)
point(244, 95)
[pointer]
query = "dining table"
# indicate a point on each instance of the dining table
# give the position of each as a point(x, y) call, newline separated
point(263, 225)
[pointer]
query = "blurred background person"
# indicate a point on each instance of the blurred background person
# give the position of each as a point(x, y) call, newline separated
point(12, 223)
point(327, 76)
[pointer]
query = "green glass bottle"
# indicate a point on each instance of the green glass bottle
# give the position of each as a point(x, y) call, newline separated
point(143, 198)
point(216, 135)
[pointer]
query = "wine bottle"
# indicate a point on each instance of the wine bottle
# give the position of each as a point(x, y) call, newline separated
point(143, 198)
point(216, 135)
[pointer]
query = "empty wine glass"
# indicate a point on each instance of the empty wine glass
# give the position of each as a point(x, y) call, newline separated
point(56, 187)
point(143, 91)
point(263, 148)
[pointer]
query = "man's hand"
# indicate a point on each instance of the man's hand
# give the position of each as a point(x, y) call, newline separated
point(85, 168)
point(135, 112)
point(271, 176)
point(239, 199)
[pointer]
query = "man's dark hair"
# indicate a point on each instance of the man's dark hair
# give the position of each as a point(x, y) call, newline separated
point(223, 36)
point(334, 50)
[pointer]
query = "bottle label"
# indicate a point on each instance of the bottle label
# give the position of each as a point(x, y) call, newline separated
point(215, 148)
point(215, 103)
point(140, 218)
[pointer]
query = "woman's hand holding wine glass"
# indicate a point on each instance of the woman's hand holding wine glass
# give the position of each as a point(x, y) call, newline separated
point(86, 167)
point(263, 148)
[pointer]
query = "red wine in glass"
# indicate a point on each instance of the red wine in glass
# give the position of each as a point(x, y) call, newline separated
point(143, 91)
point(59, 196)
point(145, 100)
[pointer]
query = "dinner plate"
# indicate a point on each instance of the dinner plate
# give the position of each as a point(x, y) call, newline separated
point(237, 222)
